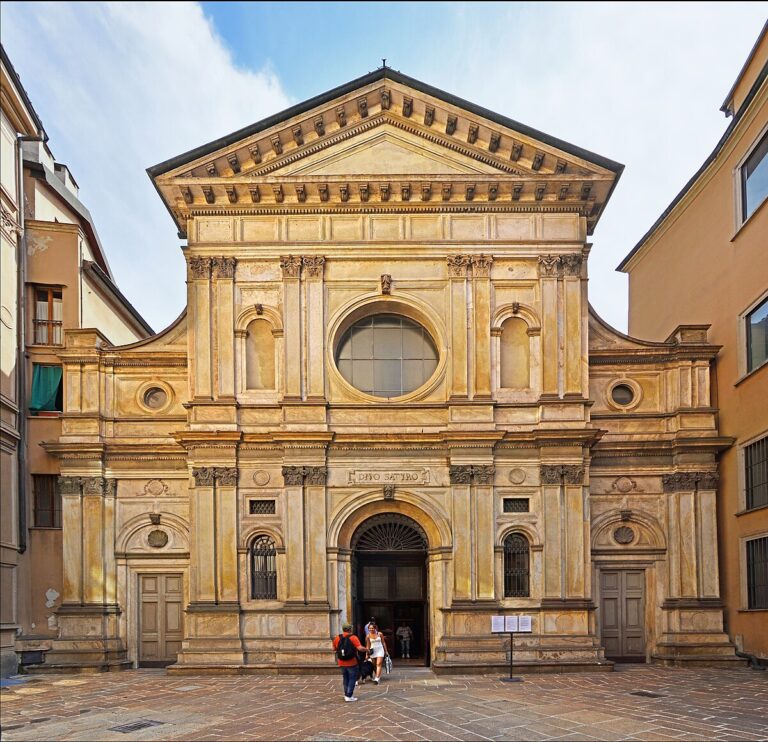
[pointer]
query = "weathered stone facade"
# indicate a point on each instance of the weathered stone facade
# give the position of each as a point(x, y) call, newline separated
point(387, 197)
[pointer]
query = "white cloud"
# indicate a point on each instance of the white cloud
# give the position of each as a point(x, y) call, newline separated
point(638, 83)
point(121, 87)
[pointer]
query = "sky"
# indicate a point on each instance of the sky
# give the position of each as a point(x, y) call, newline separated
point(123, 86)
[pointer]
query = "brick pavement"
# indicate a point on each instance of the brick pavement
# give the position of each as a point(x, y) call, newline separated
point(412, 704)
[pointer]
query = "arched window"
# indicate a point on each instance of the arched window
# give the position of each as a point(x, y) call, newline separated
point(386, 355)
point(263, 569)
point(515, 354)
point(516, 566)
point(259, 356)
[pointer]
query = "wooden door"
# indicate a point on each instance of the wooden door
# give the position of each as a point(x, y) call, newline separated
point(161, 618)
point(622, 614)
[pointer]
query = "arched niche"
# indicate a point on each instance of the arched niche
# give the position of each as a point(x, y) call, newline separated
point(627, 531)
point(259, 356)
point(516, 349)
point(259, 337)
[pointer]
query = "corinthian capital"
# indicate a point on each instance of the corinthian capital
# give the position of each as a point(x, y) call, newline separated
point(200, 267)
point(457, 265)
point(481, 265)
point(313, 265)
point(290, 265)
point(224, 267)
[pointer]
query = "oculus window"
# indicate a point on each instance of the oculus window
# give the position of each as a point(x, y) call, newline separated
point(754, 179)
point(386, 355)
point(757, 336)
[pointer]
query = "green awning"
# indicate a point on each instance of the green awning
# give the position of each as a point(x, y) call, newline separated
point(46, 388)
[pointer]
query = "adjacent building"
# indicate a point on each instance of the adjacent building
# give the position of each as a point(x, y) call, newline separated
point(55, 278)
point(387, 396)
point(706, 260)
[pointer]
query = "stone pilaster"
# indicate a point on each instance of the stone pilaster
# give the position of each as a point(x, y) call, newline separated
point(291, 268)
point(481, 289)
point(549, 270)
point(572, 325)
point(89, 614)
point(313, 267)
point(223, 271)
point(457, 277)
point(199, 338)
point(693, 612)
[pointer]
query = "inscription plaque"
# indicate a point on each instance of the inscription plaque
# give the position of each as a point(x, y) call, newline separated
point(388, 476)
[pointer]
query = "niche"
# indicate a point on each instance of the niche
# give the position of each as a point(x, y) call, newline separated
point(515, 354)
point(259, 356)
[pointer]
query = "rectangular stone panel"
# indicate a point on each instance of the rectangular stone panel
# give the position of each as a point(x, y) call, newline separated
point(214, 230)
point(259, 230)
point(303, 229)
point(514, 228)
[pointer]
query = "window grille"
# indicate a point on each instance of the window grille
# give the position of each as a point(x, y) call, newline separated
point(48, 316)
point(47, 501)
point(757, 573)
point(263, 569)
point(516, 566)
point(756, 464)
point(262, 507)
point(516, 504)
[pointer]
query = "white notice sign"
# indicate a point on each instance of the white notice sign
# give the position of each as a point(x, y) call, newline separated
point(525, 623)
point(497, 624)
point(510, 624)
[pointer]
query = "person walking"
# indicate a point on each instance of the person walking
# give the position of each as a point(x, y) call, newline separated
point(347, 645)
point(405, 635)
point(377, 650)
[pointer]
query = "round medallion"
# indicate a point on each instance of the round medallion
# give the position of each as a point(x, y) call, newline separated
point(624, 535)
point(157, 539)
point(623, 395)
point(155, 398)
point(155, 488)
point(516, 476)
point(624, 484)
point(260, 477)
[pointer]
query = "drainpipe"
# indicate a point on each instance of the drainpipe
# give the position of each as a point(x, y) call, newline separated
point(21, 334)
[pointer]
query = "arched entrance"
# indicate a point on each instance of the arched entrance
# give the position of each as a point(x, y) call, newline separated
point(389, 580)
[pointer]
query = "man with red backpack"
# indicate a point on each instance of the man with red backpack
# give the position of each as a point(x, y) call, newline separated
point(347, 645)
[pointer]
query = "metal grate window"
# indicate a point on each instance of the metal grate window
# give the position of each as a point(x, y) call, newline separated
point(516, 566)
point(262, 507)
point(263, 569)
point(47, 501)
point(756, 464)
point(757, 573)
point(516, 505)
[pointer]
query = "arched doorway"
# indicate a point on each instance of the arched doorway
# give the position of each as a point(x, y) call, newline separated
point(389, 580)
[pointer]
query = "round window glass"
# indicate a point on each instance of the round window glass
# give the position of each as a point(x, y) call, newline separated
point(386, 355)
point(155, 398)
point(622, 394)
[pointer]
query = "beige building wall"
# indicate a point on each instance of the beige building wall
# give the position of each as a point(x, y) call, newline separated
point(701, 263)
point(386, 196)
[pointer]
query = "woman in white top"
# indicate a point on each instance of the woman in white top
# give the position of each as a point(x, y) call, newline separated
point(377, 650)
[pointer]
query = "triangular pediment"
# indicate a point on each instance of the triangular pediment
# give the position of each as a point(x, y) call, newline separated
point(385, 151)
point(382, 127)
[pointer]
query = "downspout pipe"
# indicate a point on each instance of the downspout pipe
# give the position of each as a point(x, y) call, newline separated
point(21, 334)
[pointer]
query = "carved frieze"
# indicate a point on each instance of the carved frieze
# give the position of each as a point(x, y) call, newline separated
point(562, 474)
point(481, 265)
point(200, 267)
point(297, 476)
point(313, 265)
point(472, 473)
point(290, 265)
point(571, 265)
point(457, 265)
point(224, 267)
point(549, 265)
point(690, 481)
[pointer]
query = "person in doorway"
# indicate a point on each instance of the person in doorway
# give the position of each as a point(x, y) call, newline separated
point(405, 636)
point(377, 650)
point(370, 623)
point(347, 645)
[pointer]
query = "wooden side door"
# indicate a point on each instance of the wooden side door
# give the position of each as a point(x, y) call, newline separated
point(161, 618)
point(622, 614)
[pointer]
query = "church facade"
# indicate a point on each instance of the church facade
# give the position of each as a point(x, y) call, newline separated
point(388, 396)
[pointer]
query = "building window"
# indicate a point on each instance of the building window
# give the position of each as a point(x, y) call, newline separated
point(47, 389)
point(263, 569)
point(386, 355)
point(757, 336)
point(261, 507)
point(516, 505)
point(516, 566)
point(756, 473)
point(48, 316)
point(47, 501)
point(754, 179)
point(757, 572)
